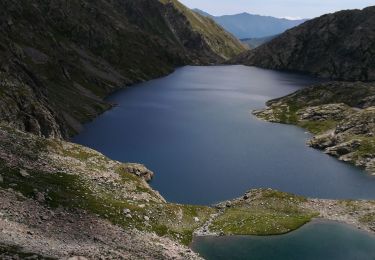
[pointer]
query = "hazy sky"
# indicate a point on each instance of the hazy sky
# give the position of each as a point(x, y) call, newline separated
point(278, 8)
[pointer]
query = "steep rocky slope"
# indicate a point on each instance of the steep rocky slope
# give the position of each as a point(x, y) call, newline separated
point(212, 36)
point(342, 115)
point(256, 42)
point(59, 59)
point(338, 46)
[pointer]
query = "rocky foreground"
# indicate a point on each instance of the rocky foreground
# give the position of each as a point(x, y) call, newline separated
point(60, 200)
point(341, 115)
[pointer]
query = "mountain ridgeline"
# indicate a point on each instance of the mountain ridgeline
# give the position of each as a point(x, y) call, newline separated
point(59, 59)
point(247, 25)
point(339, 46)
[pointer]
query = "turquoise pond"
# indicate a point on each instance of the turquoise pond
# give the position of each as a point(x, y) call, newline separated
point(317, 240)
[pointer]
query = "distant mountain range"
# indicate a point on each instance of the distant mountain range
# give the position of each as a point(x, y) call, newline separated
point(339, 46)
point(247, 25)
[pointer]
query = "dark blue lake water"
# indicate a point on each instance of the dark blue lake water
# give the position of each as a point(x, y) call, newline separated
point(319, 240)
point(194, 129)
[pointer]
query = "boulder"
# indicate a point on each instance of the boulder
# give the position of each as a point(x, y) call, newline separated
point(24, 173)
point(344, 148)
point(139, 170)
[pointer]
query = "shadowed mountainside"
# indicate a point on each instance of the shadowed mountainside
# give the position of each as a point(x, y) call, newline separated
point(59, 59)
point(256, 42)
point(339, 46)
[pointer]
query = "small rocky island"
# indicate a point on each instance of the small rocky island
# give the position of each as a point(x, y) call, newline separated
point(341, 115)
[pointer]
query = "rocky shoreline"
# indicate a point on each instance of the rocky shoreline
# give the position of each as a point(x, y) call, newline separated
point(62, 200)
point(357, 213)
point(341, 115)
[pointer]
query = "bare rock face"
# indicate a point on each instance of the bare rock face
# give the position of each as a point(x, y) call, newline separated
point(337, 46)
point(324, 112)
point(23, 104)
point(77, 258)
point(139, 170)
point(343, 148)
point(360, 123)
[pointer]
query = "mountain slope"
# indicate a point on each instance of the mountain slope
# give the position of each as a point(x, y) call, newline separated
point(256, 42)
point(247, 25)
point(219, 41)
point(58, 60)
point(339, 46)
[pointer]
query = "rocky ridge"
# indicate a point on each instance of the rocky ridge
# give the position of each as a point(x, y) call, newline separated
point(341, 115)
point(339, 46)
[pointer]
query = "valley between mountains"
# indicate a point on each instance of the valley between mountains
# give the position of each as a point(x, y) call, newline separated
point(59, 60)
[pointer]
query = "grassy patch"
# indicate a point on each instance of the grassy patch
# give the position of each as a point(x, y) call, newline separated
point(367, 146)
point(368, 218)
point(285, 113)
point(73, 191)
point(268, 212)
point(245, 221)
point(318, 127)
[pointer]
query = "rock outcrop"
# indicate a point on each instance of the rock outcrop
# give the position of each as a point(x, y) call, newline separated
point(139, 170)
point(58, 60)
point(342, 115)
point(339, 46)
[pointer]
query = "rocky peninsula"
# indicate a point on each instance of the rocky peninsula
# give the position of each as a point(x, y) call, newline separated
point(341, 115)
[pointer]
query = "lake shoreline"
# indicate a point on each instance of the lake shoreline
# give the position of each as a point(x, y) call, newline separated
point(185, 97)
point(339, 115)
point(358, 214)
point(314, 221)
point(319, 239)
point(204, 115)
point(77, 178)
